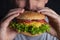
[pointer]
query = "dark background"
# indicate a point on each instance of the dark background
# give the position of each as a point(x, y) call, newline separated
point(6, 5)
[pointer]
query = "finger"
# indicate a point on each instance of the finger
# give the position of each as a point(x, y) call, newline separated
point(10, 14)
point(15, 11)
point(7, 21)
point(48, 10)
point(46, 13)
point(50, 15)
point(52, 11)
point(18, 9)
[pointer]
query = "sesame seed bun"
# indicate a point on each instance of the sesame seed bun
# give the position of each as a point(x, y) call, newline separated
point(29, 15)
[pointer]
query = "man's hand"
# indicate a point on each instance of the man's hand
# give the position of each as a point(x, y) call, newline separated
point(54, 20)
point(5, 32)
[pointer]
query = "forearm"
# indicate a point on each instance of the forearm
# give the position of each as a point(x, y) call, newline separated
point(58, 32)
point(59, 25)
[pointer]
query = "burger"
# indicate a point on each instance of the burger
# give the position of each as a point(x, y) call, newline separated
point(30, 23)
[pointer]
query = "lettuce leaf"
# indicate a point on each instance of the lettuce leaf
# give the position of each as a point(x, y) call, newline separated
point(31, 29)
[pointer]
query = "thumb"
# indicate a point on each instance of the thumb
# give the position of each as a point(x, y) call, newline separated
point(7, 21)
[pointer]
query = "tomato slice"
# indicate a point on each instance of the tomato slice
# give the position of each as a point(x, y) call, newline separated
point(29, 21)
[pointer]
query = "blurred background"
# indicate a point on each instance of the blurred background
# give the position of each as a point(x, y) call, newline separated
point(6, 5)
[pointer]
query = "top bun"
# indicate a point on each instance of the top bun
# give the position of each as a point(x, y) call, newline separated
point(29, 15)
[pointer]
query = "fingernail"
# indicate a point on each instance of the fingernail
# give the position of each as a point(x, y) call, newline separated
point(17, 13)
point(39, 11)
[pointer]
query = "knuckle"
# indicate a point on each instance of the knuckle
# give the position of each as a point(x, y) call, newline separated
point(12, 10)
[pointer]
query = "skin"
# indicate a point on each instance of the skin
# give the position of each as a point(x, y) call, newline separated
point(20, 3)
point(5, 32)
point(54, 20)
point(39, 5)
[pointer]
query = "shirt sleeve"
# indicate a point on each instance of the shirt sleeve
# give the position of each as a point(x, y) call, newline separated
point(47, 20)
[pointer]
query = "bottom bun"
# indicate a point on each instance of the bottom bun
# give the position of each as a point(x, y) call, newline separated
point(28, 34)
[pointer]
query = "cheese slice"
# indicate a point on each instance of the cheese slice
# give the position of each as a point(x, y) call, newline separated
point(36, 24)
